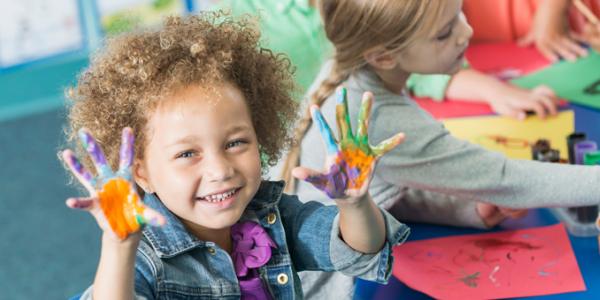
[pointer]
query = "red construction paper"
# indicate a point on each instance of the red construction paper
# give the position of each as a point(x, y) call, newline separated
point(498, 58)
point(454, 108)
point(516, 263)
point(502, 60)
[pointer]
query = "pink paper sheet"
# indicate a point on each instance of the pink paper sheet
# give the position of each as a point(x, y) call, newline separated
point(516, 263)
point(498, 60)
point(453, 108)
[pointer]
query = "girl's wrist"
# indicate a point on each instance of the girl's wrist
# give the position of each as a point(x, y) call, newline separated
point(353, 202)
point(115, 275)
point(130, 243)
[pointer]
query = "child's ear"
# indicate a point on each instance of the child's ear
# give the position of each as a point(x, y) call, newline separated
point(140, 176)
point(380, 58)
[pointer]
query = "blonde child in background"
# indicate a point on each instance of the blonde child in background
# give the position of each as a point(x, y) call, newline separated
point(378, 44)
point(296, 29)
point(205, 104)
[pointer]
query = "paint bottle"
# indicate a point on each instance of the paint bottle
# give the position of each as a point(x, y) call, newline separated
point(591, 158)
point(573, 139)
point(583, 147)
point(586, 214)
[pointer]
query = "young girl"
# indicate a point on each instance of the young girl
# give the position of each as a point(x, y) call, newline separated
point(206, 105)
point(295, 28)
point(378, 44)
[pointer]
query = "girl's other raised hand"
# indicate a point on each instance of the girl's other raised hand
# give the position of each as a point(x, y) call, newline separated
point(350, 160)
point(112, 200)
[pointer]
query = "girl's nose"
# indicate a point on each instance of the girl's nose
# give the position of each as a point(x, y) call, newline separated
point(218, 168)
point(466, 31)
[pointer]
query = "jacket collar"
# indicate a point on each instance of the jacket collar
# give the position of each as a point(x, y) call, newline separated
point(173, 238)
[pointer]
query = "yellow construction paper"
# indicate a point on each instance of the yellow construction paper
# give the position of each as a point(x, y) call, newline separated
point(490, 131)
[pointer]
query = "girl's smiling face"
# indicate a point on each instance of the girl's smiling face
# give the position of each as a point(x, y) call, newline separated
point(202, 157)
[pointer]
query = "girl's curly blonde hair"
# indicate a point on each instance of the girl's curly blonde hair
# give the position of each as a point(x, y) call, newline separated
point(127, 80)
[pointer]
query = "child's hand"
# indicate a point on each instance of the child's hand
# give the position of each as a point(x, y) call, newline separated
point(492, 215)
point(592, 36)
point(350, 163)
point(116, 205)
point(550, 33)
point(515, 102)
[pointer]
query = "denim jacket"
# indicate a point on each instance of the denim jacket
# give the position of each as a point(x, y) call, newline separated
point(173, 264)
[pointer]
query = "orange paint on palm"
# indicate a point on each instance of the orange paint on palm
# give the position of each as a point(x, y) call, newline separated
point(121, 206)
point(360, 163)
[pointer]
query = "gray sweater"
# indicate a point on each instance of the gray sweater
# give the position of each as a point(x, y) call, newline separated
point(431, 174)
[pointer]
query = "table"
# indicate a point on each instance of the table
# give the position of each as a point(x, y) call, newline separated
point(586, 249)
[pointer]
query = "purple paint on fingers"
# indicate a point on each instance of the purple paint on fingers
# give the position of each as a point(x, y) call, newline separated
point(126, 153)
point(95, 152)
point(92, 148)
point(82, 203)
point(78, 168)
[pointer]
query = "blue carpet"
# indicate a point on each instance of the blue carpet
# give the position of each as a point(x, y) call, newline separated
point(47, 251)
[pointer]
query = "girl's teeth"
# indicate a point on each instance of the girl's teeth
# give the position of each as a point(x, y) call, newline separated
point(219, 197)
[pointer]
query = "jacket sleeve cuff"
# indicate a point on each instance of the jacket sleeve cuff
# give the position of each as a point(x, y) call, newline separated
point(373, 267)
point(87, 295)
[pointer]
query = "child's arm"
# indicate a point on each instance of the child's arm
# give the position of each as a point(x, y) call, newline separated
point(361, 223)
point(417, 205)
point(119, 213)
point(432, 159)
point(505, 99)
point(115, 275)
point(592, 36)
point(351, 164)
point(550, 32)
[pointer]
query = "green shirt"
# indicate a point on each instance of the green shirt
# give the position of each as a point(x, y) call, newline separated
point(431, 85)
point(294, 27)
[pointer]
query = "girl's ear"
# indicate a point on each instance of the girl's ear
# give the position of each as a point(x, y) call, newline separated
point(140, 176)
point(380, 58)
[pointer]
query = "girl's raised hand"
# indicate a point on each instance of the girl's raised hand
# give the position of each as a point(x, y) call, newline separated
point(351, 161)
point(113, 200)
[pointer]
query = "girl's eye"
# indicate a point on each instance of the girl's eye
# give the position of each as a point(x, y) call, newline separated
point(445, 36)
point(235, 143)
point(186, 154)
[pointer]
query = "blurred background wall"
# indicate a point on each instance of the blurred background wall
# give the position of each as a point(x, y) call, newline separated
point(46, 250)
